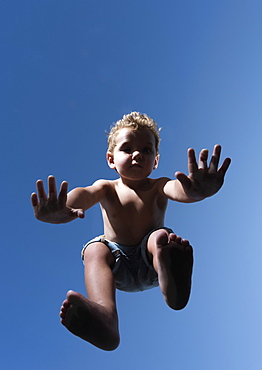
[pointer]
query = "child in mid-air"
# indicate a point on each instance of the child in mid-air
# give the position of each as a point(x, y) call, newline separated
point(136, 251)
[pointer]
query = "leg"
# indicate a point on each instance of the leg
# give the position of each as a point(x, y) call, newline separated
point(94, 319)
point(173, 261)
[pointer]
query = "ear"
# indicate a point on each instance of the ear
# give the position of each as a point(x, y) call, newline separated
point(110, 160)
point(156, 162)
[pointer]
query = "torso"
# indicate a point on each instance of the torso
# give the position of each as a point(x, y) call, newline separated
point(129, 214)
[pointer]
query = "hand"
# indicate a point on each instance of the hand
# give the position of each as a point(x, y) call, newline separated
point(52, 208)
point(203, 181)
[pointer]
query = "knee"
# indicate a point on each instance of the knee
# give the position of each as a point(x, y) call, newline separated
point(97, 252)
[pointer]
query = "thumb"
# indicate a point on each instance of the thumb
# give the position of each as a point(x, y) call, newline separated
point(184, 180)
point(78, 212)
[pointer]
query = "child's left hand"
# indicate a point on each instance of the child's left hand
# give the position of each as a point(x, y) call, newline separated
point(203, 181)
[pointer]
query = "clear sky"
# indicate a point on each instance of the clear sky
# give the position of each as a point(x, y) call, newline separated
point(68, 70)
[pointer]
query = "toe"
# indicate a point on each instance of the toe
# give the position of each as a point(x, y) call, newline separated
point(65, 304)
point(185, 242)
point(172, 237)
point(162, 237)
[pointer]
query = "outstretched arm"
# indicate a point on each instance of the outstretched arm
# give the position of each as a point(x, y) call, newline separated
point(202, 181)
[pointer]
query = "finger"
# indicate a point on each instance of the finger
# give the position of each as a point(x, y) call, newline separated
point(62, 197)
point(223, 169)
point(34, 200)
point(192, 164)
point(41, 191)
point(215, 158)
point(202, 163)
point(52, 193)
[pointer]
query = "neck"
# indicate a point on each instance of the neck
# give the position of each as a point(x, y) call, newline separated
point(134, 184)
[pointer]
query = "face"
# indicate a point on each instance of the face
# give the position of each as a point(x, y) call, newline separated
point(134, 156)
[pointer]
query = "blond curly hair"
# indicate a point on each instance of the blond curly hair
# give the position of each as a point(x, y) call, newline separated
point(135, 121)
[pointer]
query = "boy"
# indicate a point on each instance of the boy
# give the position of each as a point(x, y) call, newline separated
point(137, 251)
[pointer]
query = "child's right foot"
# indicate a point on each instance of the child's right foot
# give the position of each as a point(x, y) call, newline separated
point(175, 264)
point(89, 321)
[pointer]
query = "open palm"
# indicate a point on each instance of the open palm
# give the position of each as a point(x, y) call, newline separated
point(52, 208)
point(203, 180)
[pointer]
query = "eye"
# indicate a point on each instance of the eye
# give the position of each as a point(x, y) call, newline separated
point(126, 150)
point(147, 150)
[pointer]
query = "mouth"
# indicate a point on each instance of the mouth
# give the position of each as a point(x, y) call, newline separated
point(136, 165)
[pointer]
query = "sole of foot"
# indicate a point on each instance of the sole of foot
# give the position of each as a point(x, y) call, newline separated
point(90, 321)
point(175, 265)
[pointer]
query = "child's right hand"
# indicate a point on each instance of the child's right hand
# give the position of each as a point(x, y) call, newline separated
point(53, 208)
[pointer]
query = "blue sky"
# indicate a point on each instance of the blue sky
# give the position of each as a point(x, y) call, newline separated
point(68, 70)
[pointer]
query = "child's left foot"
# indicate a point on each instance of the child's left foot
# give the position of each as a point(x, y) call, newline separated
point(175, 264)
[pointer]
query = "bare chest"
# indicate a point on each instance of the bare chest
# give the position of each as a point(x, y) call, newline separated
point(130, 209)
point(131, 202)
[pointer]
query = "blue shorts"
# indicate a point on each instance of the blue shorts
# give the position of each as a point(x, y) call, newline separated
point(132, 269)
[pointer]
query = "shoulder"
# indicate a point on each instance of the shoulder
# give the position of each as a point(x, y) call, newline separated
point(157, 185)
point(161, 182)
point(102, 186)
point(102, 183)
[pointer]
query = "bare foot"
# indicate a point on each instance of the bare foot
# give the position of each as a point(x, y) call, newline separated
point(90, 321)
point(175, 264)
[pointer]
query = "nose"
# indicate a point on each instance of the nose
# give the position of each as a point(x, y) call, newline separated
point(136, 154)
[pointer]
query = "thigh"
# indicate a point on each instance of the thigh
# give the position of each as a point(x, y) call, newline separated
point(99, 278)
